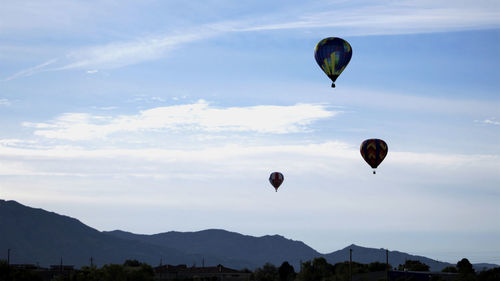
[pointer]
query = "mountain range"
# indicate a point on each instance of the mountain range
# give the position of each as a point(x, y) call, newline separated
point(36, 236)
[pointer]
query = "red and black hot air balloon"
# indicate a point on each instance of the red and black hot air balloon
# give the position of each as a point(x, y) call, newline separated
point(374, 152)
point(276, 179)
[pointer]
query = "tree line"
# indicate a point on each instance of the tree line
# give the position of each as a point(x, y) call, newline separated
point(131, 270)
point(317, 269)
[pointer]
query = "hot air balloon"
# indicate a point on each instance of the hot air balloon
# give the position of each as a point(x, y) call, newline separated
point(333, 54)
point(276, 178)
point(374, 152)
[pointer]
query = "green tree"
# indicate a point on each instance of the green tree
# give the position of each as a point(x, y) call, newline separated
point(5, 270)
point(132, 263)
point(89, 273)
point(113, 272)
point(413, 265)
point(268, 272)
point(466, 270)
point(378, 266)
point(492, 274)
point(25, 275)
point(17, 274)
point(143, 272)
point(465, 267)
point(316, 270)
point(286, 272)
point(450, 269)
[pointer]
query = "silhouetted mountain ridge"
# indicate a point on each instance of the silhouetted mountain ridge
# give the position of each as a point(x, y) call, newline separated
point(368, 255)
point(231, 245)
point(38, 236)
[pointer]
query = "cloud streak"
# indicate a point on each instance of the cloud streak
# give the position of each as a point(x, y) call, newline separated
point(375, 18)
point(199, 116)
point(490, 121)
point(32, 70)
point(402, 17)
point(4, 102)
point(115, 55)
point(318, 158)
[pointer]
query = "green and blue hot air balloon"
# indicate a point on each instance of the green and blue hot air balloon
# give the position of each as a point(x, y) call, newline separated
point(333, 54)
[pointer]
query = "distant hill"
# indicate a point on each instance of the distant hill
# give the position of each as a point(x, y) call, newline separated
point(368, 255)
point(234, 247)
point(38, 236)
point(484, 266)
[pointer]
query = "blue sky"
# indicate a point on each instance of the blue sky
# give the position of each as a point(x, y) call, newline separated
point(167, 115)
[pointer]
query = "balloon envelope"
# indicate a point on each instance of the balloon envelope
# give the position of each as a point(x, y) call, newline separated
point(373, 151)
point(276, 178)
point(333, 54)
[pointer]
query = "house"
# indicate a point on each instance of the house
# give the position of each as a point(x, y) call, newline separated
point(212, 273)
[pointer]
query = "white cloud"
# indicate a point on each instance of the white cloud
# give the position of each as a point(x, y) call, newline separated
point(200, 116)
point(5, 102)
point(489, 121)
point(442, 160)
point(105, 108)
point(362, 18)
point(120, 54)
point(32, 70)
point(401, 17)
point(325, 159)
point(152, 99)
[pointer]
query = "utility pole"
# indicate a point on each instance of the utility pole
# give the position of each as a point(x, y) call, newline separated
point(91, 261)
point(160, 268)
point(350, 264)
point(387, 264)
point(8, 264)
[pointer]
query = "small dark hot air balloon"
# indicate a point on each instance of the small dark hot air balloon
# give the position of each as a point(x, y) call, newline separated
point(333, 54)
point(374, 152)
point(276, 178)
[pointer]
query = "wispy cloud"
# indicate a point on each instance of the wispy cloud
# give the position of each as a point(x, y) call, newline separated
point(490, 121)
point(325, 157)
point(5, 102)
point(199, 116)
point(105, 108)
point(32, 70)
point(120, 54)
point(403, 17)
point(361, 18)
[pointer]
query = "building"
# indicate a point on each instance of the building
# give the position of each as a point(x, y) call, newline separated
point(47, 274)
point(422, 276)
point(212, 273)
